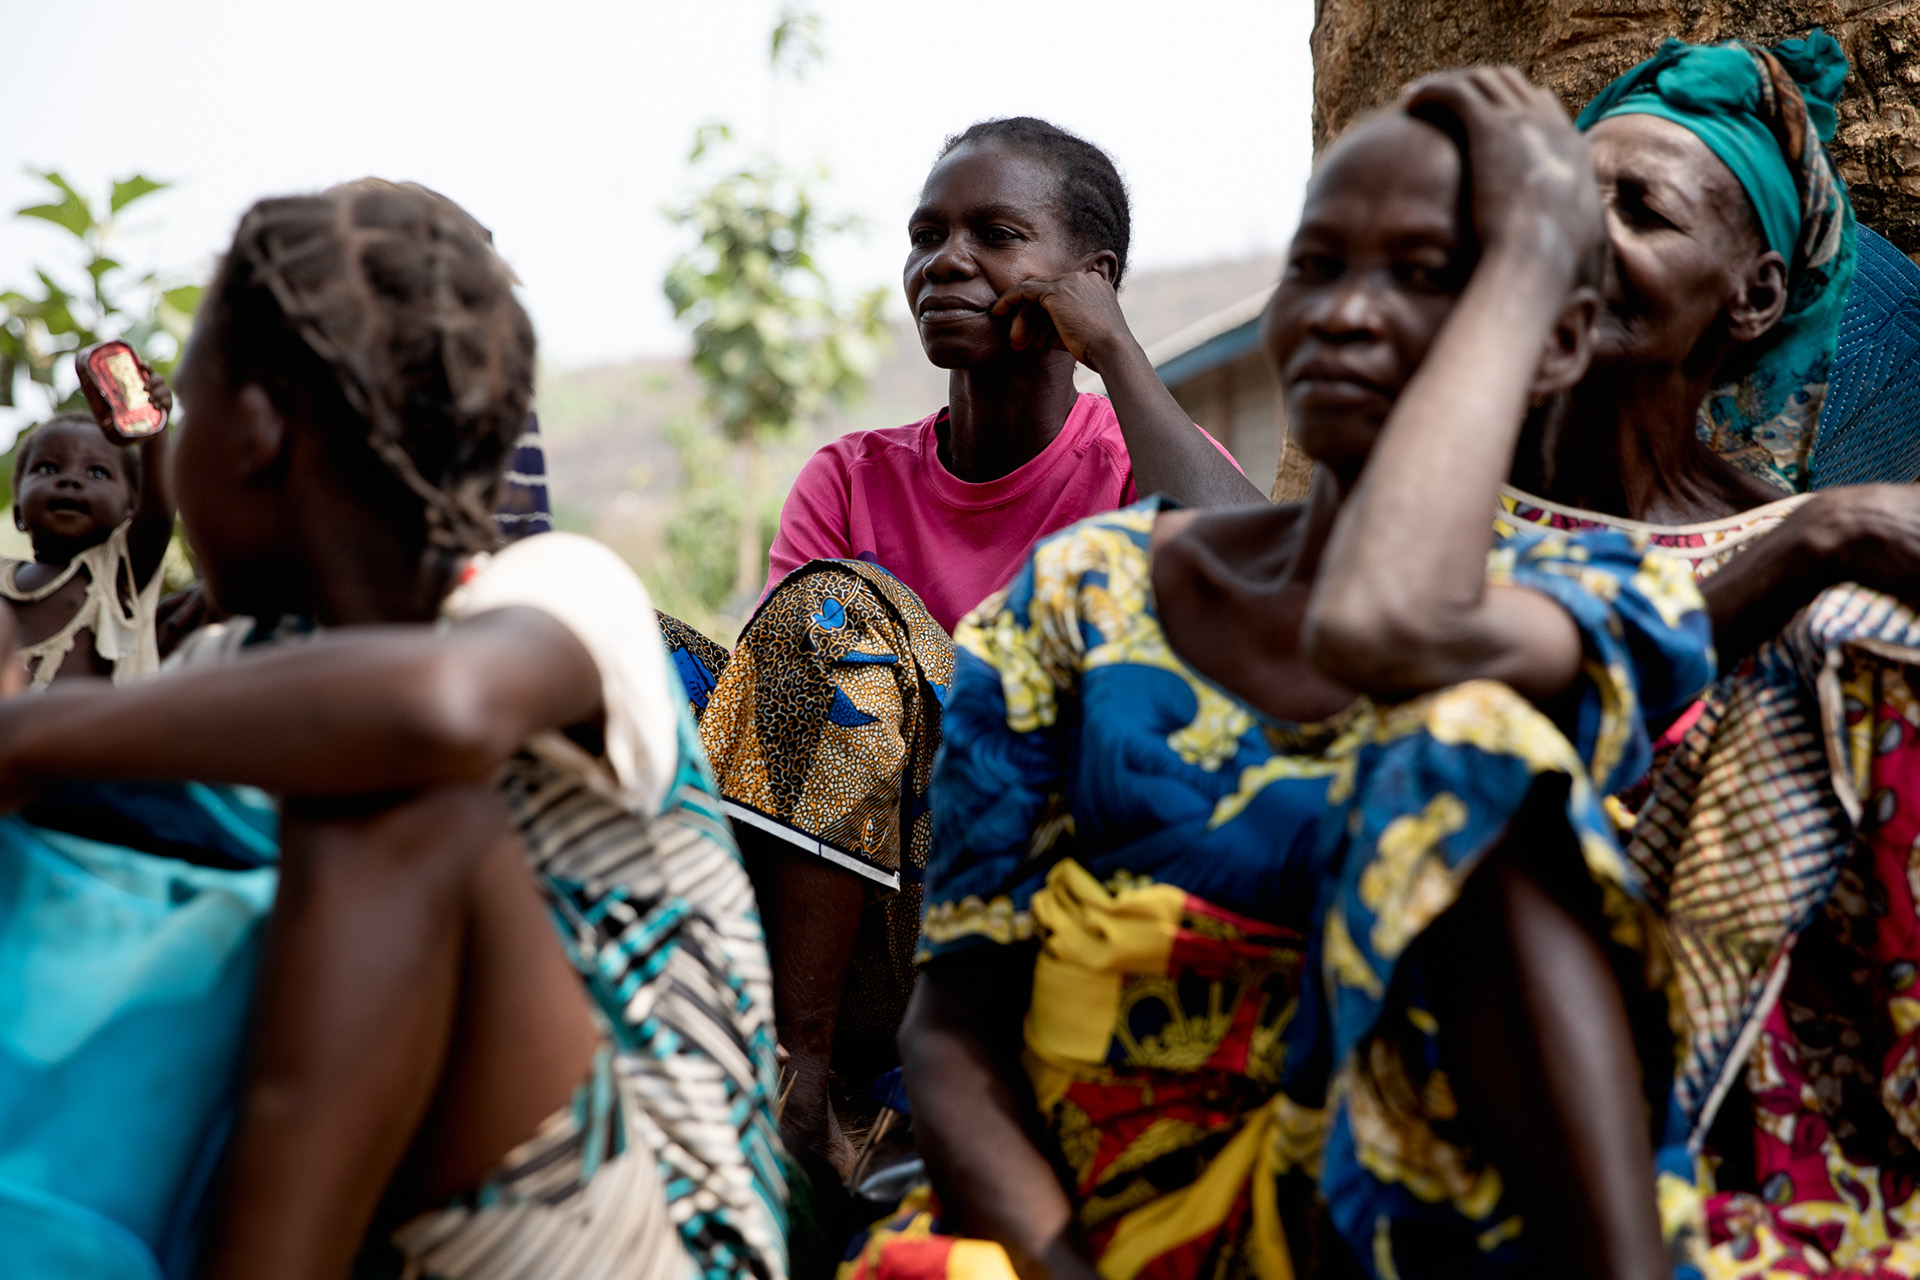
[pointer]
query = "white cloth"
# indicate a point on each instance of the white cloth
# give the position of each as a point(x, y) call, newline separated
point(117, 609)
point(594, 594)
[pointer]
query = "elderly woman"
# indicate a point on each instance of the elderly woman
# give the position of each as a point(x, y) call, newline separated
point(1778, 836)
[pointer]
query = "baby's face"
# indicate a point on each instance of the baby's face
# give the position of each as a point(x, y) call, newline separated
point(1374, 270)
point(75, 489)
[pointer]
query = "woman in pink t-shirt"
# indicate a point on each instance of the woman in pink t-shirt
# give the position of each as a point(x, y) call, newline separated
point(823, 722)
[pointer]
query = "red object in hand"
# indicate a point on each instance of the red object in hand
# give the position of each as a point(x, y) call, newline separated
point(114, 380)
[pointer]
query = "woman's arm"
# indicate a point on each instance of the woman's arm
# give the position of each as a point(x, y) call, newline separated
point(1868, 534)
point(1081, 313)
point(1401, 603)
point(974, 1116)
point(152, 527)
point(366, 709)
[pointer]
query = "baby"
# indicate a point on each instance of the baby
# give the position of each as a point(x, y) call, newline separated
point(100, 516)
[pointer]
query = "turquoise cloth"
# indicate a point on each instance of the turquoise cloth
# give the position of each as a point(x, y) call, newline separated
point(125, 980)
point(1765, 113)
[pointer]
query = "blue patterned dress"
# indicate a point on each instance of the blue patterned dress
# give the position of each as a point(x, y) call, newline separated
point(1226, 906)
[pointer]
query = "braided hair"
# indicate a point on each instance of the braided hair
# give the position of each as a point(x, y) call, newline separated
point(1091, 195)
point(381, 312)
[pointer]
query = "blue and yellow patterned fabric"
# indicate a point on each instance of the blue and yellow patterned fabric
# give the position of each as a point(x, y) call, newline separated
point(1087, 766)
point(1427, 789)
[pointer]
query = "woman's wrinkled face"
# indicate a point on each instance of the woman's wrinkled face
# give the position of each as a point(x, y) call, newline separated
point(1683, 234)
point(1373, 272)
point(989, 218)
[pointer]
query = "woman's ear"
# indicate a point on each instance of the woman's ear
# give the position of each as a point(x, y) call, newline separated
point(263, 437)
point(1760, 298)
point(1103, 263)
point(1569, 346)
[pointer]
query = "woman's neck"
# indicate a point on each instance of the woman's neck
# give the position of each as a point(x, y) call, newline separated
point(357, 573)
point(1004, 415)
point(1629, 447)
point(1233, 589)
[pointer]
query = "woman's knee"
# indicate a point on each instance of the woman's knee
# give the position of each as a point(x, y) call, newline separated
point(435, 839)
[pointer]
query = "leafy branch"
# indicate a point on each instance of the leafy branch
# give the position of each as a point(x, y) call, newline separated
point(44, 323)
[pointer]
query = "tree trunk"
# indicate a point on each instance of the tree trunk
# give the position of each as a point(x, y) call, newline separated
point(1365, 50)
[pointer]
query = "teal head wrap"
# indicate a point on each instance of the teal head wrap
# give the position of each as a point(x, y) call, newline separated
point(1765, 113)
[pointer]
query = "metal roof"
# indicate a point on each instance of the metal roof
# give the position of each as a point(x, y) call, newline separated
point(1204, 345)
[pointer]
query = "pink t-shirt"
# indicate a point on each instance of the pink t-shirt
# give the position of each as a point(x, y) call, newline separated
point(884, 496)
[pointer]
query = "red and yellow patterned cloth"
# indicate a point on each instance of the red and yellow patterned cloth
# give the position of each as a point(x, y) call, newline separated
point(1153, 1044)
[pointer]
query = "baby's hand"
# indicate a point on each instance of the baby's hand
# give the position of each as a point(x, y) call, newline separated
point(1531, 174)
point(159, 392)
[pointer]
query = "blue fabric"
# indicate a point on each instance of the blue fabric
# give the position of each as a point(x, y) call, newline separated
point(525, 507)
point(124, 986)
point(1434, 783)
point(1870, 424)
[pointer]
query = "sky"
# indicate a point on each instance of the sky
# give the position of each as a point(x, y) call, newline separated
point(565, 125)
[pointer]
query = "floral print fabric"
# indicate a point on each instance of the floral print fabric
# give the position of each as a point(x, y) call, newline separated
point(1086, 762)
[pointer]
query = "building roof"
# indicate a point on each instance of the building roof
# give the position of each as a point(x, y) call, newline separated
point(1204, 345)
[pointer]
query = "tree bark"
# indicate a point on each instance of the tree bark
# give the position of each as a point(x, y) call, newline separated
point(1365, 50)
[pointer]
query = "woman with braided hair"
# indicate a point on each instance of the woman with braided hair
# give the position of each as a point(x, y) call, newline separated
point(823, 722)
point(513, 1010)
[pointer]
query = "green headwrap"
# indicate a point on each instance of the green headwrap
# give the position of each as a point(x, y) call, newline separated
point(1765, 113)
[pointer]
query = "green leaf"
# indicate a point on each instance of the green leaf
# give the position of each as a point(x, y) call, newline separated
point(100, 266)
point(125, 193)
point(185, 299)
point(71, 214)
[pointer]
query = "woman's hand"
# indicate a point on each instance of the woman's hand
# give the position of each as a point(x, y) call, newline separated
point(1530, 178)
point(1078, 313)
point(1867, 533)
point(1872, 532)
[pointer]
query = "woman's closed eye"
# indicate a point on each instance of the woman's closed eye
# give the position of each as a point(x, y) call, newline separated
point(1631, 203)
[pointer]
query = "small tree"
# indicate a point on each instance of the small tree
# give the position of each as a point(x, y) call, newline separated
point(770, 343)
point(43, 325)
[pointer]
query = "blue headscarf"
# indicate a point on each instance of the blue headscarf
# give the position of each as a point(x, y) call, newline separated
point(1765, 113)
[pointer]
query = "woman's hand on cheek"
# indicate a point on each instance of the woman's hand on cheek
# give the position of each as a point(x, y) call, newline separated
point(1077, 312)
point(1530, 173)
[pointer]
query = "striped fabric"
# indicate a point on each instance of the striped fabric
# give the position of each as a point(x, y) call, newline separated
point(1749, 823)
point(659, 918)
point(574, 1200)
point(525, 507)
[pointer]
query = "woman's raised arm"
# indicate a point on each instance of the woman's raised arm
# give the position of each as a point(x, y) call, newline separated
point(1401, 603)
point(1080, 312)
point(366, 709)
